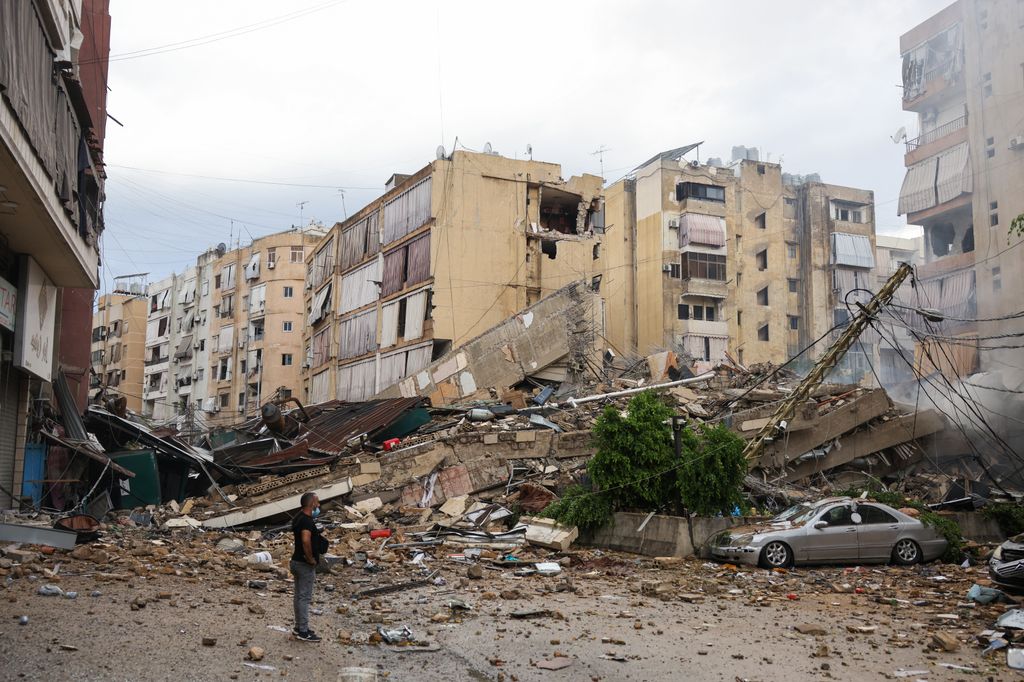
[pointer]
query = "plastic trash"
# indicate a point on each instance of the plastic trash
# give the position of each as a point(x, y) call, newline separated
point(352, 674)
point(95, 593)
point(23, 620)
point(259, 666)
point(50, 591)
point(71, 595)
point(395, 636)
point(548, 568)
point(1014, 618)
point(259, 558)
point(1015, 658)
point(380, 533)
point(985, 595)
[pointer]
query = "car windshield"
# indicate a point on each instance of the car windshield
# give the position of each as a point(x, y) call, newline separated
point(788, 514)
point(806, 515)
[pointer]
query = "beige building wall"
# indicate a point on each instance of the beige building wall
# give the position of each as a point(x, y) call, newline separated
point(491, 235)
point(255, 348)
point(119, 340)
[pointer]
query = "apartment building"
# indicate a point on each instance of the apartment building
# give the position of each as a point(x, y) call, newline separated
point(963, 77)
point(739, 258)
point(161, 336)
point(52, 115)
point(896, 352)
point(119, 341)
point(252, 333)
point(446, 253)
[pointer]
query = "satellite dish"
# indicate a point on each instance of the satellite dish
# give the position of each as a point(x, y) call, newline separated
point(901, 135)
point(440, 152)
point(487, 148)
point(222, 249)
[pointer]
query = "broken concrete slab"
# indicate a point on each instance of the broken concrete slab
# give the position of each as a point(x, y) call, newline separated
point(549, 533)
point(37, 535)
point(268, 509)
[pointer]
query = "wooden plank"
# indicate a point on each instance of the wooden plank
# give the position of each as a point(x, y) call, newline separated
point(868, 441)
point(828, 427)
point(268, 509)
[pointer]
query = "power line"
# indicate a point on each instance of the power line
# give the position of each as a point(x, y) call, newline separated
point(249, 180)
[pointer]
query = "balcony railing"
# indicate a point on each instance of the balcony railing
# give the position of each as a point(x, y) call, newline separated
point(937, 133)
point(156, 361)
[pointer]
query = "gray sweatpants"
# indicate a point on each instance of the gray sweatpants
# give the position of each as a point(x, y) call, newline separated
point(305, 577)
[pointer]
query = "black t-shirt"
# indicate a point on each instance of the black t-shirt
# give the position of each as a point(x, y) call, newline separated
point(304, 522)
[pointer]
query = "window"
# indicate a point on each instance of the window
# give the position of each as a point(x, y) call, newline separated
point(791, 250)
point(997, 278)
point(287, 326)
point(709, 313)
point(840, 317)
point(703, 266)
point(286, 359)
point(739, 318)
point(871, 514)
point(993, 205)
point(698, 312)
point(673, 270)
point(760, 169)
point(739, 280)
point(761, 221)
point(838, 516)
point(695, 190)
point(200, 373)
point(762, 296)
point(762, 259)
point(298, 255)
point(793, 285)
point(224, 399)
point(987, 89)
point(794, 321)
point(271, 257)
point(762, 333)
point(789, 208)
point(993, 219)
point(202, 344)
point(289, 292)
point(683, 311)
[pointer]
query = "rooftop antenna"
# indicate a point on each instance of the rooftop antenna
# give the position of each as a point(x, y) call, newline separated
point(600, 157)
point(529, 150)
point(301, 205)
point(344, 211)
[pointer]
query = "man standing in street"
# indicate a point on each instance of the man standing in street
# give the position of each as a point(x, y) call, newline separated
point(309, 545)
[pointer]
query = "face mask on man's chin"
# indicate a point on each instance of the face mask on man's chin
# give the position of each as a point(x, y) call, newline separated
point(316, 512)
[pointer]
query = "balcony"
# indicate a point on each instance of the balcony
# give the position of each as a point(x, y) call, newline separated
point(936, 133)
point(936, 140)
point(703, 328)
point(712, 288)
point(151, 362)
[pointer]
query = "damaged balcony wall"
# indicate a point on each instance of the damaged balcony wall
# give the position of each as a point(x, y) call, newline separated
point(553, 338)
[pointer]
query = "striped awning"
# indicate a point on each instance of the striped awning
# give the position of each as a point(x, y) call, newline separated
point(955, 176)
point(853, 250)
point(918, 191)
point(697, 228)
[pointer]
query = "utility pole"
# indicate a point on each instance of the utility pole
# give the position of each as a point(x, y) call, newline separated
point(344, 211)
point(827, 361)
point(302, 206)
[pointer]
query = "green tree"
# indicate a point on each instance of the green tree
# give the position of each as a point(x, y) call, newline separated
point(634, 452)
point(712, 470)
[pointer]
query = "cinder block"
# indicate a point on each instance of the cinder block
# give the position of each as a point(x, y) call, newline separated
point(526, 436)
point(369, 467)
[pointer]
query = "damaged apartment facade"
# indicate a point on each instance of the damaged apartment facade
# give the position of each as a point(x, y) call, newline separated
point(119, 341)
point(53, 70)
point(735, 258)
point(962, 76)
point(444, 255)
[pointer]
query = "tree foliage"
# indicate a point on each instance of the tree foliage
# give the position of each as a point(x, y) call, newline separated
point(1017, 226)
point(633, 452)
point(585, 509)
point(710, 477)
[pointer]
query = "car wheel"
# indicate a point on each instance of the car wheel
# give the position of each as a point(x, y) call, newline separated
point(776, 555)
point(906, 552)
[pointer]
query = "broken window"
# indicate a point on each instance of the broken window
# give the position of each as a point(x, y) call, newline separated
point(703, 266)
point(760, 169)
point(762, 296)
point(163, 324)
point(762, 333)
point(695, 190)
point(941, 238)
point(559, 211)
point(967, 243)
point(762, 259)
point(597, 251)
point(761, 221)
point(549, 247)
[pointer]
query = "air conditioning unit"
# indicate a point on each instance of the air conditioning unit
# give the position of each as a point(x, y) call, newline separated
point(216, 408)
point(271, 265)
point(666, 267)
point(241, 344)
point(241, 409)
point(305, 365)
point(1017, 142)
point(673, 223)
point(695, 163)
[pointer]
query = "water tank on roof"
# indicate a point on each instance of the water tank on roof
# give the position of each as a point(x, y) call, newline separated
point(716, 162)
point(741, 153)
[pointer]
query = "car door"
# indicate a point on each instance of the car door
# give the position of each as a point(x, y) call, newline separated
point(877, 532)
point(838, 540)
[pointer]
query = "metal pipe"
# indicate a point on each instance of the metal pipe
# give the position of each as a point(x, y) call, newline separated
point(630, 391)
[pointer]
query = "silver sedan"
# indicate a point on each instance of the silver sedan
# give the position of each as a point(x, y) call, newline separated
point(836, 530)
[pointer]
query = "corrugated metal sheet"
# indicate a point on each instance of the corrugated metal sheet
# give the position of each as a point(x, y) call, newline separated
point(418, 259)
point(389, 325)
point(394, 272)
point(358, 380)
point(853, 250)
point(358, 335)
point(328, 431)
point(407, 211)
point(415, 311)
point(322, 349)
point(918, 191)
point(359, 287)
point(697, 228)
point(954, 176)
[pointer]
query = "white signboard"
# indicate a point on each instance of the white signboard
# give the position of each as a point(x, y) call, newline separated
point(37, 316)
point(8, 304)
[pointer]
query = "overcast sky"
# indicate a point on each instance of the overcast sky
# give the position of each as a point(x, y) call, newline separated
point(343, 96)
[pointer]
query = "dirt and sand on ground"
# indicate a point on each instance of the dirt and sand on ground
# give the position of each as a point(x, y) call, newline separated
point(175, 607)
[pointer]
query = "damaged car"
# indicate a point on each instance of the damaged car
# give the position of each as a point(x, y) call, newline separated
point(1006, 566)
point(835, 530)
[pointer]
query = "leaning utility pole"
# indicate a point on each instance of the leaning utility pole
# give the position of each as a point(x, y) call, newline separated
point(827, 361)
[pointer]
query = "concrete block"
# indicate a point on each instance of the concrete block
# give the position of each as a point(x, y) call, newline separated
point(526, 436)
point(369, 468)
point(364, 479)
point(490, 439)
point(549, 533)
